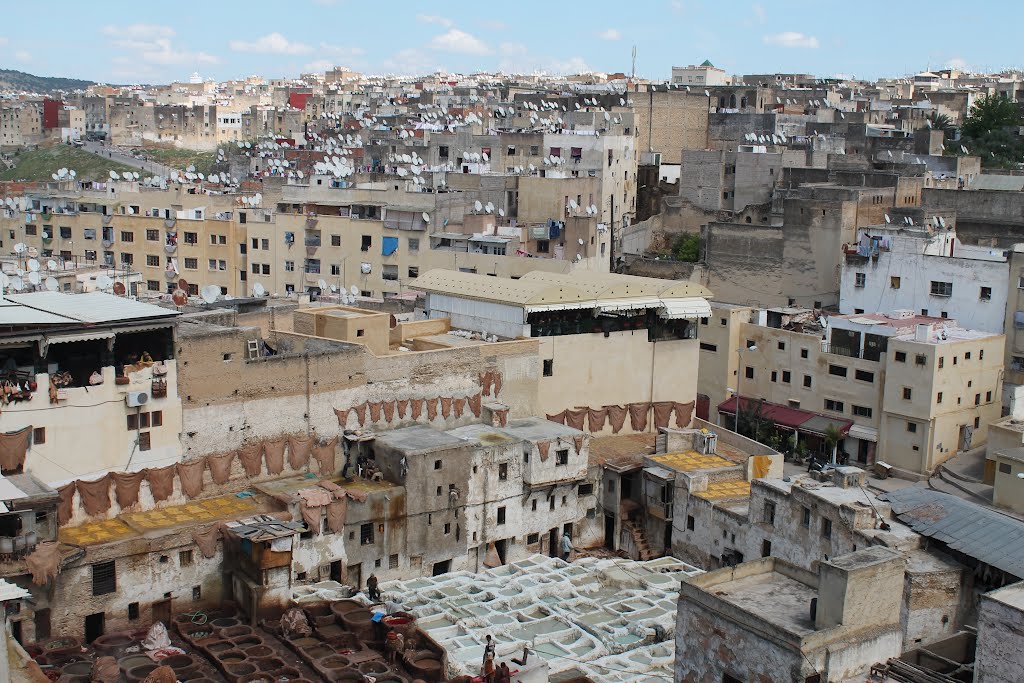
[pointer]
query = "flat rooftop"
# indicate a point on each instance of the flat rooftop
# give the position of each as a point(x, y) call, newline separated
point(539, 429)
point(773, 597)
point(419, 439)
point(133, 524)
point(622, 450)
point(1012, 596)
point(593, 616)
point(690, 461)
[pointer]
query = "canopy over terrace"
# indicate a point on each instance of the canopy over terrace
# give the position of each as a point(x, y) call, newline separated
point(790, 419)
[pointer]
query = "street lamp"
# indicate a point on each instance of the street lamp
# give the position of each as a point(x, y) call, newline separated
point(739, 366)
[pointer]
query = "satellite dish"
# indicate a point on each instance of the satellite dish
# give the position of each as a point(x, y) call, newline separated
point(354, 290)
point(477, 206)
point(489, 208)
point(580, 240)
point(501, 212)
point(179, 297)
point(119, 288)
point(573, 205)
point(19, 248)
point(33, 265)
point(34, 278)
point(17, 284)
point(210, 293)
point(52, 284)
point(426, 217)
point(887, 219)
point(114, 175)
point(322, 283)
point(104, 282)
point(258, 290)
point(183, 284)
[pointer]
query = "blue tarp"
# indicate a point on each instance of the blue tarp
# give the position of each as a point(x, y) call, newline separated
point(390, 246)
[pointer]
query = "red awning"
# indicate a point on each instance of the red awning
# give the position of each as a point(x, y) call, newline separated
point(788, 418)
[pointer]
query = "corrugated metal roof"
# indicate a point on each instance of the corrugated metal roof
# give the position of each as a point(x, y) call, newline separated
point(520, 292)
point(92, 307)
point(1005, 183)
point(979, 532)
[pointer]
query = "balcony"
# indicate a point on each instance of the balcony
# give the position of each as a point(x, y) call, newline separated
point(836, 350)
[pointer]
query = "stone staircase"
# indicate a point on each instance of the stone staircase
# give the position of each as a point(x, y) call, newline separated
point(643, 548)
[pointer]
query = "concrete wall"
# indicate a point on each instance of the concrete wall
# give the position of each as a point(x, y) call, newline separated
point(1000, 637)
point(669, 122)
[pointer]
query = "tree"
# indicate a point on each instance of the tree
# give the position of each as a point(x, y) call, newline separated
point(937, 121)
point(990, 113)
point(752, 423)
point(687, 248)
point(833, 435)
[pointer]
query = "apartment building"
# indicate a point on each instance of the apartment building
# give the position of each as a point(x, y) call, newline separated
point(907, 390)
point(21, 124)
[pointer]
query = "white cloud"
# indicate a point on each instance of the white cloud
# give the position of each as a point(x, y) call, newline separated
point(435, 19)
point(138, 32)
point(957, 63)
point(791, 39)
point(23, 56)
point(610, 34)
point(272, 43)
point(759, 12)
point(318, 66)
point(409, 61)
point(459, 42)
point(573, 65)
point(162, 52)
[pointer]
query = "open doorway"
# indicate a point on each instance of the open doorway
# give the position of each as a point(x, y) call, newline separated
point(162, 611)
point(42, 619)
point(553, 542)
point(94, 624)
point(667, 539)
point(609, 531)
point(442, 567)
point(501, 547)
point(336, 571)
point(355, 575)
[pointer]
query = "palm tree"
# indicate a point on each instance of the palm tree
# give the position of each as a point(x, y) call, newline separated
point(833, 435)
point(937, 121)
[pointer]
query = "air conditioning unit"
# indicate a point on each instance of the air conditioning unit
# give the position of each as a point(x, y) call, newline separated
point(136, 399)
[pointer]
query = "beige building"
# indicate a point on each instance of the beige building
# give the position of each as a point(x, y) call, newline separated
point(910, 391)
point(700, 75)
point(605, 340)
point(21, 124)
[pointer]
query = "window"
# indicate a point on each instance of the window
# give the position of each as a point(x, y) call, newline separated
point(833, 405)
point(413, 272)
point(912, 427)
point(266, 269)
point(713, 348)
point(127, 236)
point(894, 282)
point(907, 394)
point(104, 578)
point(967, 356)
point(921, 359)
point(562, 456)
point(211, 264)
point(861, 411)
point(437, 464)
point(766, 548)
point(781, 346)
point(127, 258)
point(723, 321)
point(900, 357)
point(748, 372)
point(133, 611)
point(786, 376)
point(690, 523)
point(151, 235)
point(549, 367)
point(988, 397)
point(938, 397)
point(414, 244)
point(191, 238)
point(774, 375)
point(185, 558)
point(265, 243)
point(503, 472)
point(864, 375)
point(860, 279)
point(31, 230)
point(977, 399)
point(152, 260)
point(39, 435)
point(942, 288)
point(1004, 468)
point(803, 353)
point(837, 370)
point(289, 266)
point(144, 441)
point(501, 515)
point(807, 381)
point(191, 264)
point(532, 539)
point(986, 294)
point(942, 362)
point(366, 534)
point(806, 518)
point(365, 242)
point(826, 528)
point(447, 528)
point(153, 285)
point(769, 512)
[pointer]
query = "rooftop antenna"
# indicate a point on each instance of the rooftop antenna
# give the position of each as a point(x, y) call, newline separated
point(210, 293)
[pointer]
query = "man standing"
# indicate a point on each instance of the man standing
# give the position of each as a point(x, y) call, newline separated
point(566, 546)
point(372, 591)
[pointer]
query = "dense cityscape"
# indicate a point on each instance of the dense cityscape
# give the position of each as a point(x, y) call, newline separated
point(492, 376)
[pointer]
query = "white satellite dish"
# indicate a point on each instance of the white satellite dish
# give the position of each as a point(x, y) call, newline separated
point(573, 205)
point(52, 284)
point(34, 278)
point(51, 265)
point(489, 208)
point(33, 265)
point(426, 217)
point(322, 284)
point(477, 206)
point(258, 290)
point(887, 219)
point(210, 293)
point(501, 212)
point(354, 290)
point(19, 248)
point(104, 282)
point(114, 175)
point(17, 284)
point(580, 240)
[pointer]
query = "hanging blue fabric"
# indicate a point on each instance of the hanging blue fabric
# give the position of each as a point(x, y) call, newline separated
point(389, 246)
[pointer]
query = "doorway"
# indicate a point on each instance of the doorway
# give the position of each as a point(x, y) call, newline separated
point(553, 543)
point(609, 531)
point(355, 575)
point(42, 619)
point(501, 547)
point(442, 567)
point(94, 626)
point(966, 436)
point(667, 538)
point(862, 451)
point(16, 631)
point(162, 611)
point(336, 571)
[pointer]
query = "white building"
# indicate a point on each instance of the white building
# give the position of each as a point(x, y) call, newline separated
point(701, 74)
point(927, 270)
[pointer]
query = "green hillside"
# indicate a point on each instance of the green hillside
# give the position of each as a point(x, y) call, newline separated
point(39, 164)
point(20, 81)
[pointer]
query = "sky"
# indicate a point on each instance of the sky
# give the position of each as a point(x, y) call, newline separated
point(157, 42)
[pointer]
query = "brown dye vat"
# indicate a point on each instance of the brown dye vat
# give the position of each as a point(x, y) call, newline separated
point(256, 651)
